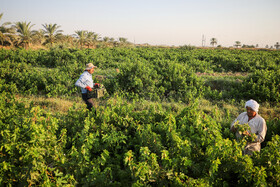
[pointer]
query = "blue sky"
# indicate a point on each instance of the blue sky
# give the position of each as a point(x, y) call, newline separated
point(157, 22)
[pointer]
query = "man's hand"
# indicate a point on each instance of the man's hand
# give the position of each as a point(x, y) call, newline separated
point(246, 133)
point(88, 88)
point(96, 85)
point(233, 129)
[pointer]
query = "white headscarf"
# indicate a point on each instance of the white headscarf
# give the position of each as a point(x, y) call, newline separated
point(253, 104)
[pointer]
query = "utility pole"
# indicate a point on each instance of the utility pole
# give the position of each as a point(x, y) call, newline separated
point(203, 40)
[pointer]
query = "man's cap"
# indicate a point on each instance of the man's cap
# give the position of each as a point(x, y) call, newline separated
point(90, 66)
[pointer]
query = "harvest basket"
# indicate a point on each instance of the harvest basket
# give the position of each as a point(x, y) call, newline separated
point(97, 93)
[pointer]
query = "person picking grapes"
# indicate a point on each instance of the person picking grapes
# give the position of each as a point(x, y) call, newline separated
point(257, 127)
point(85, 82)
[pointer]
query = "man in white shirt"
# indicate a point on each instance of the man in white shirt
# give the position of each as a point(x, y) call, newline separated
point(86, 84)
point(256, 123)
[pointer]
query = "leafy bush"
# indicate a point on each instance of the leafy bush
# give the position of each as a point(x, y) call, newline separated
point(123, 145)
point(263, 85)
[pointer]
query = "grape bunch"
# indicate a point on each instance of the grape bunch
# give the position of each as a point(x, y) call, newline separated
point(244, 131)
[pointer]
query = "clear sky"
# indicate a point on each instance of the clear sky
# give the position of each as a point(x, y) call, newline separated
point(157, 22)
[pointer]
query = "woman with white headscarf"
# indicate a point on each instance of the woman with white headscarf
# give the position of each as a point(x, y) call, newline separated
point(256, 123)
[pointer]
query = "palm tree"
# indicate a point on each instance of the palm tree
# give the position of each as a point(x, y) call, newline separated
point(39, 36)
point(213, 41)
point(25, 33)
point(112, 40)
point(86, 38)
point(81, 35)
point(106, 39)
point(237, 44)
point(52, 33)
point(89, 38)
point(67, 39)
point(96, 37)
point(6, 34)
point(122, 40)
point(277, 45)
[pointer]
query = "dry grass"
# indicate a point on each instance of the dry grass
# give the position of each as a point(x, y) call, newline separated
point(270, 113)
point(267, 111)
point(53, 105)
point(223, 74)
point(62, 105)
point(37, 46)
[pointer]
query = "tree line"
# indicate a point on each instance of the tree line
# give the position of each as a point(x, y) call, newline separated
point(20, 34)
point(237, 44)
